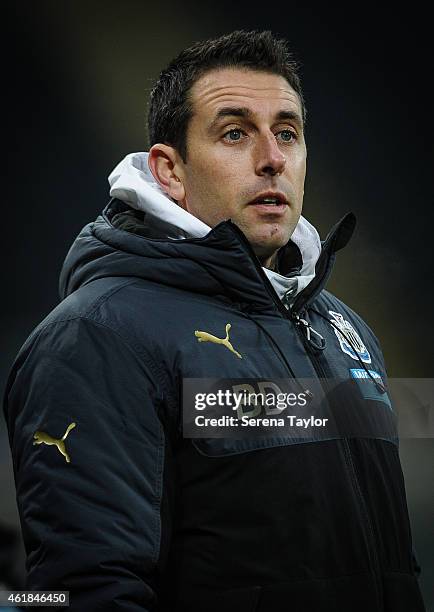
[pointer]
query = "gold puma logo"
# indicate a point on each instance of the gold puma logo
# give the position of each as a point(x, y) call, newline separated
point(206, 337)
point(41, 436)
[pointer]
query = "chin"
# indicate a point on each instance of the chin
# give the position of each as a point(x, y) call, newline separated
point(268, 245)
point(264, 251)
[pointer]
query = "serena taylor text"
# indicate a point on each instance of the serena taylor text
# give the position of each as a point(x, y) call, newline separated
point(245, 421)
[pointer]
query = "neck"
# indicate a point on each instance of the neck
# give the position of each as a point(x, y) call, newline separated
point(269, 262)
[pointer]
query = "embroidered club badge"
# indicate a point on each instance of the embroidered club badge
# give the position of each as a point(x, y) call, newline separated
point(349, 339)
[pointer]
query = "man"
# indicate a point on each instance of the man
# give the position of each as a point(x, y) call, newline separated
point(201, 267)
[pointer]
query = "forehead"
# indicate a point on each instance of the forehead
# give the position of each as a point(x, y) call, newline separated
point(259, 91)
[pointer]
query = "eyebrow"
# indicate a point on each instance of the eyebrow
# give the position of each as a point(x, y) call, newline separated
point(245, 113)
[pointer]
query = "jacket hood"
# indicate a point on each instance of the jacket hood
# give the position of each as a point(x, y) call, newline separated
point(170, 246)
point(132, 182)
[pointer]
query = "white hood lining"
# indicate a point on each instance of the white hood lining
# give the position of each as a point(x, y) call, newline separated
point(133, 183)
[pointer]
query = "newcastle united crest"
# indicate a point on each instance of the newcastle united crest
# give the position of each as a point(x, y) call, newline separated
point(349, 339)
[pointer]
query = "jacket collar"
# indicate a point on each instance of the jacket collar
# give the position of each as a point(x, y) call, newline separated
point(220, 264)
point(132, 182)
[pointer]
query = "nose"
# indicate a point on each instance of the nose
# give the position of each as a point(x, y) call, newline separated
point(269, 158)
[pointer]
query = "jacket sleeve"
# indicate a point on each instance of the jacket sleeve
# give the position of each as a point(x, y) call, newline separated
point(90, 515)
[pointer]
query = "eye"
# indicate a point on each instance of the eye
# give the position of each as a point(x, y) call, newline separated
point(233, 135)
point(287, 135)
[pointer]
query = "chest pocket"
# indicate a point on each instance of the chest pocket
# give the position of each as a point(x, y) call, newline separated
point(355, 408)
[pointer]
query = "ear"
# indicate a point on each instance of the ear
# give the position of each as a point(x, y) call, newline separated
point(164, 163)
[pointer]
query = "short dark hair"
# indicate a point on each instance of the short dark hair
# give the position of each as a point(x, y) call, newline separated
point(170, 109)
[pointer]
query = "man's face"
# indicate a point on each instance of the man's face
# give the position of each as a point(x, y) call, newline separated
point(245, 142)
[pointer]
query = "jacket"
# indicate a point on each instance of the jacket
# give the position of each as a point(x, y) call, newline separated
point(120, 509)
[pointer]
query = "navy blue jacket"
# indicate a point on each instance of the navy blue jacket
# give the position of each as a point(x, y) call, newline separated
point(128, 514)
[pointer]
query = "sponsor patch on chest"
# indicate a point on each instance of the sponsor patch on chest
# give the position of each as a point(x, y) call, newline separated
point(367, 389)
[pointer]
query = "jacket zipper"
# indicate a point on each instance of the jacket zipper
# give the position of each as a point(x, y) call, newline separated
point(306, 331)
point(372, 549)
point(369, 532)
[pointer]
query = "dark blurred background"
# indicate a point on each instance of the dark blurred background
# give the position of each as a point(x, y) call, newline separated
point(79, 74)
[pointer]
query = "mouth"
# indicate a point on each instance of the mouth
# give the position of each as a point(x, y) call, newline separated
point(270, 202)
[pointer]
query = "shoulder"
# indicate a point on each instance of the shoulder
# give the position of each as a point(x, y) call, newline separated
point(105, 312)
point(128, 316)
point(116, 302)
